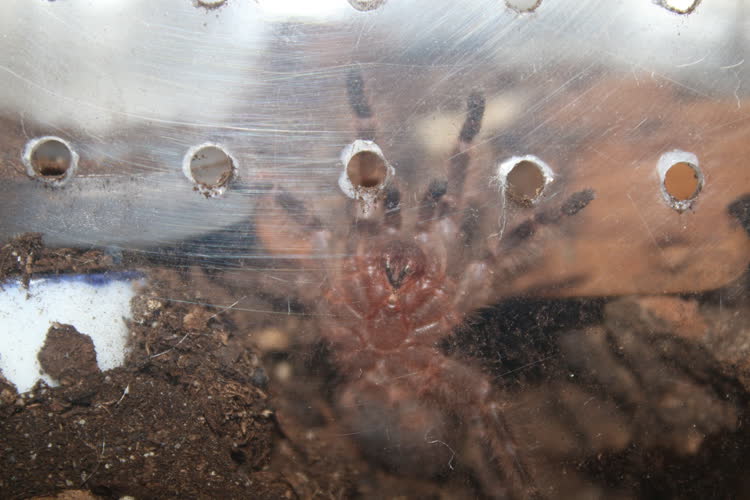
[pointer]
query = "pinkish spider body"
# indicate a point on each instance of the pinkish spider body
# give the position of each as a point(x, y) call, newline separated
point(388, 310)
point(398, 290)
point(391, 298)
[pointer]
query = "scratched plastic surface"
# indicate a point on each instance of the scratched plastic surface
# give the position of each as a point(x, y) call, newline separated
point(599, 99)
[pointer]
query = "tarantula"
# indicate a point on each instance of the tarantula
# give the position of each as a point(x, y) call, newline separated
point(394, 287)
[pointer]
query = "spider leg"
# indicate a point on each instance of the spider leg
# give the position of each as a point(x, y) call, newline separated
point(295, 239)
point(492, 429)
point(486, 276)
point(389, 219)
point(460, 159)
point(392, 215)
point(363, 114)
point(522, 245)
point(475, 287)
point(435, 204)
point(430, 207)
point(470, 241)
point(297, 210)
point(529, 228)
point(440, 202)
point(494, 450)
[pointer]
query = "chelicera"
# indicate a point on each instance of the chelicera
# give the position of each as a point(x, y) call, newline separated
point(390, 286)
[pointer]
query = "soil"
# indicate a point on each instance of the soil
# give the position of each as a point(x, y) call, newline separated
point(26, 255)
point(187, 415)
point(635, 397)
point(67, 355)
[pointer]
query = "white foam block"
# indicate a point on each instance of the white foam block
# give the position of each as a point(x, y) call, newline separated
point(95, 304)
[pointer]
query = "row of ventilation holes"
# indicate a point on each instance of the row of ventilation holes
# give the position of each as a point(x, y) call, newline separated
point(522, 6)
point(210, 168)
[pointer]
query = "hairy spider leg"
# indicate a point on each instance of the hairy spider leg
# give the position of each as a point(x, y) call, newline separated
point(297, 210)
point(500, 465)
point(299, 240)
point(460, 158)
point(365, 121)
point(435, 204)
point(392, 214)
point(522, 245)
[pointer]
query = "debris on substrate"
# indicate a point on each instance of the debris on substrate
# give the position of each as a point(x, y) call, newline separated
point(634, 397)
point(26, 255)
point(188, 415)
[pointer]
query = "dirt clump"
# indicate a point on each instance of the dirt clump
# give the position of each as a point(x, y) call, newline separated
point(67, 355)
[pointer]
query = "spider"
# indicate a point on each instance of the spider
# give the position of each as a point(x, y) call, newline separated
point(398, 282)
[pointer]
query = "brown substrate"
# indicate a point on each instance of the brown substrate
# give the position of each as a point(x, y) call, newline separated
point(188, 415)
point(638, 397)
point(26, 256)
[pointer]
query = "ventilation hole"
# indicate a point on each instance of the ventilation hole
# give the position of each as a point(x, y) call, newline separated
point(523, 179)
point(50, 159)
point(210, 4)
point(366, 169)
point(366, 173)
point(365, 5)
point(679, 6)
point(210, 168)
point(525, 182)
point(681, 179)
point(682, 182)
point(523, 5)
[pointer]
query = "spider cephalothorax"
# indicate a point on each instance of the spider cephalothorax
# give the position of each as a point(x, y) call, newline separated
point(395, 286)
point(403, 263)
